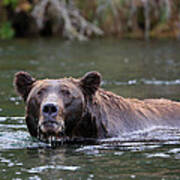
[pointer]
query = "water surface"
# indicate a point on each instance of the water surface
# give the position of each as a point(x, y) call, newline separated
point(129, 68)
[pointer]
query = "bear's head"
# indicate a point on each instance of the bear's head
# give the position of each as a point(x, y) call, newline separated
point(55, 106)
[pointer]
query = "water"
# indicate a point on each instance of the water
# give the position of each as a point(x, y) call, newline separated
point(130, 69)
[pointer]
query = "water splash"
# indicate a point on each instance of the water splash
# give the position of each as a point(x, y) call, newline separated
point(148, 139)
point(14, 135)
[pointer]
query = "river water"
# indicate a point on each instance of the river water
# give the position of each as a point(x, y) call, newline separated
point(131, 69)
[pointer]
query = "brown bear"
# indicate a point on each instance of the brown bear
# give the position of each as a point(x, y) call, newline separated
point(71, 107)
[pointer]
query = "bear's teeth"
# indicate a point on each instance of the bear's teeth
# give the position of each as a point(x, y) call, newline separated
point(41, 137)
point(49, 139)
point(53, 138)
point(62, 142)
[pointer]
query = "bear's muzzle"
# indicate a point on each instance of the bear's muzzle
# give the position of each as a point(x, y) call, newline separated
point(51, 127)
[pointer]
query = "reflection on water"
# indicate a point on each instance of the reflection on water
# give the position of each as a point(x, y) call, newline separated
point(129, 68)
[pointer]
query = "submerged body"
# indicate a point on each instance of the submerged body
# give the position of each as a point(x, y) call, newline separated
point(71, 107)
point(127, 115)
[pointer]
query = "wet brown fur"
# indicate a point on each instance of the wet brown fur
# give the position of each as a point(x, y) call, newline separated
point(104, 114)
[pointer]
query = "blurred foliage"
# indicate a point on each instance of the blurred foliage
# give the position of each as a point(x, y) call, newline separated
point(12, 3)
point(6, 31)
point(82, 19)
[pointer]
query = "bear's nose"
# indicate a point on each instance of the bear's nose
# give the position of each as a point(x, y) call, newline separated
point(50, 109)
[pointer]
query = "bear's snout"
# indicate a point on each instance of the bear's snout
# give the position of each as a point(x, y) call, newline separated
point(50, 110)
point(51, 118)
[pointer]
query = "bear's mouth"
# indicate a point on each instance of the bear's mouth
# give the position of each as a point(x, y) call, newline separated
point(50, 132)
point(54, 141)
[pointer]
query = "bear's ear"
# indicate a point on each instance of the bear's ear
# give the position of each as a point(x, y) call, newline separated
point(23, 83)
point(90, 82)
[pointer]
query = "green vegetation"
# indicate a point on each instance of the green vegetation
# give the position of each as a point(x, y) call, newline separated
point(83, 19)
point(12, 3)
point(6, 31)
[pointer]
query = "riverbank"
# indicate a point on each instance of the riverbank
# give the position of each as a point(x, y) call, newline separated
point(82, 20)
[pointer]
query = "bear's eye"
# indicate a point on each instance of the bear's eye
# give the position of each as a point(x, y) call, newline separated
point(40, 92)
point(65, 92)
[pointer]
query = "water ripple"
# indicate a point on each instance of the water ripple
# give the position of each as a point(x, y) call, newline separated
point(161, 155)
point(142, 81)
point(11, 118)
point(57, 167)
point(14, 135)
